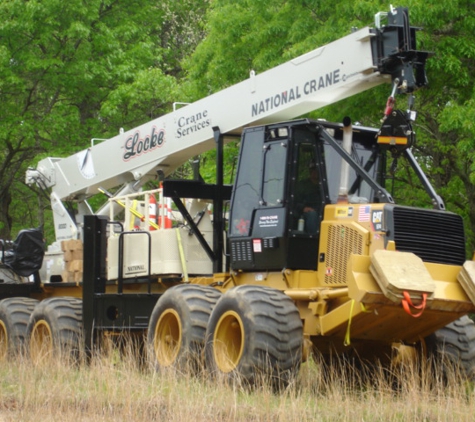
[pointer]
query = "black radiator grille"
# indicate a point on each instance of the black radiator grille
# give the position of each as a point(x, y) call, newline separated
point(434, 236)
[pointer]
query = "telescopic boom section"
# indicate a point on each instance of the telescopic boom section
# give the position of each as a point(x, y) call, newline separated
point(350, 65)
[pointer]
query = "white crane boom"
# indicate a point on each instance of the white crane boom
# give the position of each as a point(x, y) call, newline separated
point(321, 77)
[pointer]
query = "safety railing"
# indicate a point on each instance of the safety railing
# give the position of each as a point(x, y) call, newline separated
point(143, 211)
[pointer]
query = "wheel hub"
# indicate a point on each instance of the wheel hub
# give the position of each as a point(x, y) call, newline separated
point(228, 341)
point(3, 341)
point(41, 341)
point(168, 333)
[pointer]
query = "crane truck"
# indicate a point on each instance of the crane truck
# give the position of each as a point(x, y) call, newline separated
point(306, 250)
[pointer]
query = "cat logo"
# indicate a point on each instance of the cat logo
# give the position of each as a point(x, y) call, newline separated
point(377, 220)
point(377, 216)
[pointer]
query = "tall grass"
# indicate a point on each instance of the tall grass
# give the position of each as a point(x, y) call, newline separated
point(114, 386)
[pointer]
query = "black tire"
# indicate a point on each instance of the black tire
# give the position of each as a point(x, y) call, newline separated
point(14, 315)
point(255, 333)
point(177, 327)
point(55, 329)
point(454, 345)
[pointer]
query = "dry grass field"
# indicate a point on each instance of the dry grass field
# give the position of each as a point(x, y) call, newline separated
point(113, 387)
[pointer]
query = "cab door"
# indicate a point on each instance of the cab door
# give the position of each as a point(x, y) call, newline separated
point(266, 205)
point(258, 214)
point(307, 196)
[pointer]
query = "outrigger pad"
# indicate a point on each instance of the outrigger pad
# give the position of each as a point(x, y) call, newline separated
point(396, 272)
point(26, 255)
point(466, 278)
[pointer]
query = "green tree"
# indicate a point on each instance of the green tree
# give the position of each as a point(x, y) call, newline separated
point(244, 35)
point(447, 107)
point(71, 71)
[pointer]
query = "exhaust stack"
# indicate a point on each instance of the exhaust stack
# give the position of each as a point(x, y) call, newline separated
point(345, 167)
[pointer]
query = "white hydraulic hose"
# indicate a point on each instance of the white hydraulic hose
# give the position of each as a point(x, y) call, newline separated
point(345, 167)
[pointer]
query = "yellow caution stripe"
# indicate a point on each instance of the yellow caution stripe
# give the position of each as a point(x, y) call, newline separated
point(392, 140)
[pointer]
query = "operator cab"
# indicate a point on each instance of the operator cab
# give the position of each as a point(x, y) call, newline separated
point(287, 173)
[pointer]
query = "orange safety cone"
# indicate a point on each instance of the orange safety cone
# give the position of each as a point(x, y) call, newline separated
point(168, 217)
point(152, 210)
point(163, 220)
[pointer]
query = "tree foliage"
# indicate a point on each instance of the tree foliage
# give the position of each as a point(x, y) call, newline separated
point(71, 71)
point(244, 35)
point(447, 107)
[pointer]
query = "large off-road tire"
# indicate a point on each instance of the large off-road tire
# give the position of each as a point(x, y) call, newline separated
point(14, 315)
point(454, 345)
point(177, 327)
point(55, 330)
point(254, 333)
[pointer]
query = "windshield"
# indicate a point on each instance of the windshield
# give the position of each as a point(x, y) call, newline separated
point(358, 190)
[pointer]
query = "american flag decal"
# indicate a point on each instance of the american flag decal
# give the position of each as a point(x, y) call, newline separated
point(364, 214)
